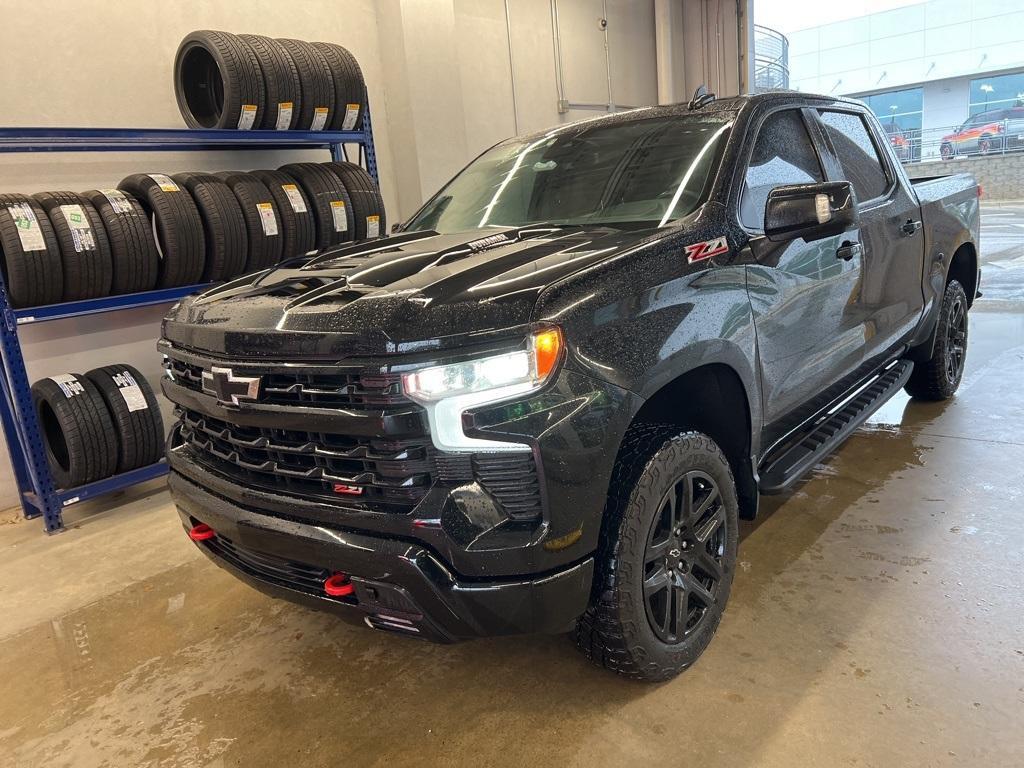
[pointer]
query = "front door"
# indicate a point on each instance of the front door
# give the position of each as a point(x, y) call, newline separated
point(804, 296)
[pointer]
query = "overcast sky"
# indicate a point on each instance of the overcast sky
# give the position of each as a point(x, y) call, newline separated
point(790, 15)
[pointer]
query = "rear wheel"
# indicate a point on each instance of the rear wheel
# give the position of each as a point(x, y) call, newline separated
point(667, 558)
point(939, 377)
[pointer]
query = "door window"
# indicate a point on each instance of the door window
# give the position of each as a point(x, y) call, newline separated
point(857, 155)
point(783, 154)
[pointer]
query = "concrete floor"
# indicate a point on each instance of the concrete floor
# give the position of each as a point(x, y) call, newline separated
point(877, 620)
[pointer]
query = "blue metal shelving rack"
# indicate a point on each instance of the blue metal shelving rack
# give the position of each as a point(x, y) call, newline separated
point(39, 496)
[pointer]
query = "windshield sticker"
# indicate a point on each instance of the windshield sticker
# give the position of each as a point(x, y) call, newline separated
point(705, 250)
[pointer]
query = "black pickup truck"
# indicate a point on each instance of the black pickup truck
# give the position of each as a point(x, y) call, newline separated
point(545, 402)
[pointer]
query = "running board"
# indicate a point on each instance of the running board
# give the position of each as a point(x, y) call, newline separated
point(784, 467)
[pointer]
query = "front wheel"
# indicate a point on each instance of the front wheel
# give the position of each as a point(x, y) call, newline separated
point(939, 377)
point(946, 150)
point(667, 558)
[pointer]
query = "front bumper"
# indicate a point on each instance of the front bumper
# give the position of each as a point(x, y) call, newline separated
point(399, 585)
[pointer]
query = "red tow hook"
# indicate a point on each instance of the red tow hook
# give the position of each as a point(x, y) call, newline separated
point(338, 585)
point(201, 532)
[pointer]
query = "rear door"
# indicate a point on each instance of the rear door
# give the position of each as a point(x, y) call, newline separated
point(805, 298)
point(890, 235)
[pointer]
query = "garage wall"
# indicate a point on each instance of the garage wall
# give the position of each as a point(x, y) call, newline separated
point(460, 104)
point(437, 71)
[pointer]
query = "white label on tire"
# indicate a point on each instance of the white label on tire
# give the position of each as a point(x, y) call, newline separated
point(118, 200)
point(69, 384)
point(351, 115)
point(340, 215)
point(267, 218)
point(130, 391)
point(166, 182)
point(284, 115)
point(81, 229)
point(247, 117)
point(294, 197)
point(28, 227)
point(373, 226)
point(319, 118)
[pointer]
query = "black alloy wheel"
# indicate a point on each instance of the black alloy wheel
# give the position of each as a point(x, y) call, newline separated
point(683, 562)
point(956, 341)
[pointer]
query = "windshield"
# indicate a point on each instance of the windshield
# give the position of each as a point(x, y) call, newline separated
point(632, 174)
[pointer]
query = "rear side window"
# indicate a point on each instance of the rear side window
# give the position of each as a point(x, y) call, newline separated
point(783, 154)
point(856, 153)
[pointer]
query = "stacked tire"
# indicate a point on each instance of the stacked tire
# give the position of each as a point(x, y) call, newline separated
point(99, 424)
point(160, 231)
point(224, 80)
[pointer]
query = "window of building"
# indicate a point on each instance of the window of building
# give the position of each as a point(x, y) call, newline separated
point(856, 153)
point(997, 92)
point(783, 154)
point(898, 108)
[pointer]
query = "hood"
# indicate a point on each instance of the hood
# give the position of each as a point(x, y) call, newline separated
point(418, 291)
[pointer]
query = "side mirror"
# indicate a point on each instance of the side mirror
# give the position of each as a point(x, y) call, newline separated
point(810, 211)
point(396, 227)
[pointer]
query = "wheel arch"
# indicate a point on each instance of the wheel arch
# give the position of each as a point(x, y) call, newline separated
point(963, 268)
point(712, 399)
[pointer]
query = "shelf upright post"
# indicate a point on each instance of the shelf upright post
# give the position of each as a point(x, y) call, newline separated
point(21, 427)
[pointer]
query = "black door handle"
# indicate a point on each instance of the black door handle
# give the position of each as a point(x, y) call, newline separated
point(848, 250)
point(910, 227)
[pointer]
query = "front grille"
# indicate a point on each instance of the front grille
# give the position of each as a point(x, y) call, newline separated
point(388, 474)
point(353, 390)
point(392, 474)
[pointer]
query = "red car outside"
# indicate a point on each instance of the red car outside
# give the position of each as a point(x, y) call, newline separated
point(984, 132)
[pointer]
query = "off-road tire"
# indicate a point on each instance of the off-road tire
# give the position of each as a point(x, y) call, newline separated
point(77, 431)
point(939, 377)
point(36, 277)
point(615, 631)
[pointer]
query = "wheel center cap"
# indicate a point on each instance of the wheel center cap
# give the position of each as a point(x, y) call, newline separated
point(675, 554)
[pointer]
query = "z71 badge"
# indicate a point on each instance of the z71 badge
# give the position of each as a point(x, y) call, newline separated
point(705, 250)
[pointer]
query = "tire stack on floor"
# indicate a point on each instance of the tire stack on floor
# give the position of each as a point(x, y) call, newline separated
point(99, 424)
point(224, 80)
point(160, 231)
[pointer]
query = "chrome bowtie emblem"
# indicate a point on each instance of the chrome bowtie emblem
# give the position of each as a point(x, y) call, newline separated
point(229, 388)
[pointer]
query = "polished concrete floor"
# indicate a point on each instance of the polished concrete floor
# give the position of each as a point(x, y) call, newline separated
point(877, 620)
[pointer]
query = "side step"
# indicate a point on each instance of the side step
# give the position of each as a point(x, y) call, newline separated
point(795, 457)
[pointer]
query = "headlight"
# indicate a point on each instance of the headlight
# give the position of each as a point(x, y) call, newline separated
point(448, 390)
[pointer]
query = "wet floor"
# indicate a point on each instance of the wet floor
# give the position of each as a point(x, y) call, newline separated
point(877, 620)
point(1002, 251)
